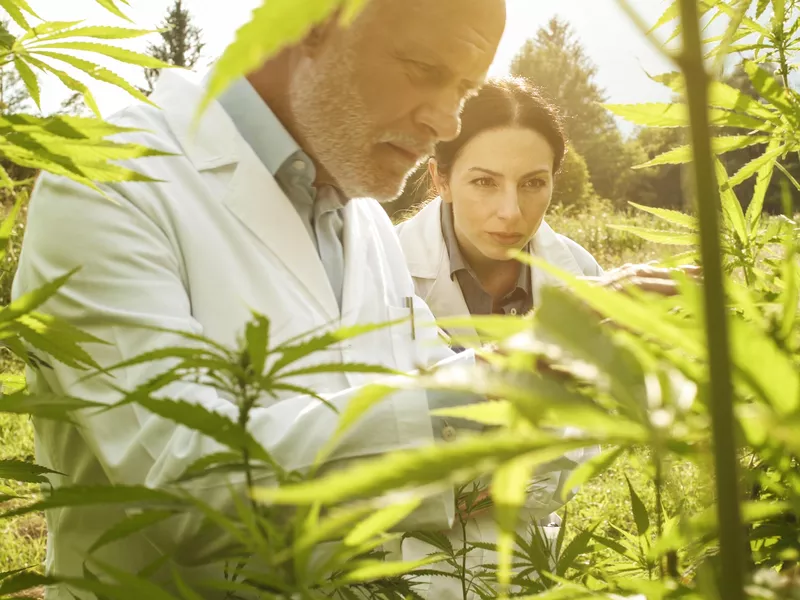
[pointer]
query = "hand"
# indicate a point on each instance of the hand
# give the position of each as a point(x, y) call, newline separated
point(646, 277)
point(481, 505)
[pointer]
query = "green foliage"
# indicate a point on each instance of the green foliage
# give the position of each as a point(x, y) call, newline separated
point(555, 61)
point(669, 386)
point(572, 185)
point(181, 43)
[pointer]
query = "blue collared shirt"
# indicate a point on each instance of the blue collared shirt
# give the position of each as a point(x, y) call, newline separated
point(292, 168)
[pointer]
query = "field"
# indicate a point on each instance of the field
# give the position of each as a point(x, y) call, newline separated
point(605, 500)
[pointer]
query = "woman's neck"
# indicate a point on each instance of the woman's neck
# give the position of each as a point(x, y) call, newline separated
point(497, 277)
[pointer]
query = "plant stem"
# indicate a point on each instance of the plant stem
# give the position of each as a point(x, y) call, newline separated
point(732, 556)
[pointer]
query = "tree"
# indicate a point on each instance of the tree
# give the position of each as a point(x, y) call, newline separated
point(556, 62)
point(181, 43)
point(660, 186)
point(75, 106)
point(572, 184)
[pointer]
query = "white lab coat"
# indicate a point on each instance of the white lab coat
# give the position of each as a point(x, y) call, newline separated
point(429, 263)
point(197, 251)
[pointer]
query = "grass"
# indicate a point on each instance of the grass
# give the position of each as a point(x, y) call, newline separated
point(605, 499)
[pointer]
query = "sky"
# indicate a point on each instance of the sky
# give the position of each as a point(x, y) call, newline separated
point(623, 56)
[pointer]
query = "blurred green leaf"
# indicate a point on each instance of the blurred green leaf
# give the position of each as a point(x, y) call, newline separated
point(131, 525)
point(721, 145)
point(766, 160)
point(43, 406)
point(111, 6)
point(769, 88)
point(763, 179)
point(12, 7)
point(17, 470)
point(380, 522)
point(101, 32)
point(99, 495)
point(367, 570)
point(670, 216)
point(676, 238)
point(640, 515)
point(731, 207)
point(70, 82)
point(591, 468)
point(464, 459)
point(29, 79)
point(10, 220)
point(273, 26)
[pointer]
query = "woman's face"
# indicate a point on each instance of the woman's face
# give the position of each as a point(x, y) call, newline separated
point(500, 187)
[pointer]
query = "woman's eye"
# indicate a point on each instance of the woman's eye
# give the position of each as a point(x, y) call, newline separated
point(483, 182)
point(536, 184)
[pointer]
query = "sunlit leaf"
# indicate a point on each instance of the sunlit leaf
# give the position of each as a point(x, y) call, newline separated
point(766, 160)
point(640, 515)
point(371, 570)
point(731, 207)
point(498, 413)
point(412, 468)
point(43, 406)
point(99, 73)
point(13, 9)
point(670, 216)
point(131, 525)
point(121, 54)
point(769, 88)
point(591, 468)
point(29, 79)
point(101, 32)
point(202, 420)
point(69, 82)
point(381, 522)
point(98, 496)
point(763, 179)
point(721, 145)
point(111, 6)
point(658, 236)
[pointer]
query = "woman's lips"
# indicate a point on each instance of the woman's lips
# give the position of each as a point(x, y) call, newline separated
point(506, 239)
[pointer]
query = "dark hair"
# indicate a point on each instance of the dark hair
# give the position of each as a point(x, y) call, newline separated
point(511, 101)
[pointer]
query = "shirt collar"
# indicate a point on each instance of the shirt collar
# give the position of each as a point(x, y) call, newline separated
point(262, 130)
point(457, 261)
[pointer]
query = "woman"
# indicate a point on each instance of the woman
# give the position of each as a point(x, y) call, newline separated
point(494, 183)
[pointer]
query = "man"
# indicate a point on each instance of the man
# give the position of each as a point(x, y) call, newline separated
point(253, 213)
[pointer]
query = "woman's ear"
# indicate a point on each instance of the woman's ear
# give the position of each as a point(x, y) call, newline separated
point(439, 180)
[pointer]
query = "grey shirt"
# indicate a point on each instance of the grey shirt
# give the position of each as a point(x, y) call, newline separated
point(479, 301)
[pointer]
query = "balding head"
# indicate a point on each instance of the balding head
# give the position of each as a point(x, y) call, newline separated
point(368, 101)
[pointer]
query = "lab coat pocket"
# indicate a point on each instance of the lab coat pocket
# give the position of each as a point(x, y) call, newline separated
point(414, 337)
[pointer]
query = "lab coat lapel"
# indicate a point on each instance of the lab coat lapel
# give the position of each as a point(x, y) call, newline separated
point(252, 194)
point(549, 247)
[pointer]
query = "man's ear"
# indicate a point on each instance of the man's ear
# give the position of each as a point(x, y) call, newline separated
point(439, 180)
point(320, 34)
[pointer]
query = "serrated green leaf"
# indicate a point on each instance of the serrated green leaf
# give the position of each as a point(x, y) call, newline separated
point(302, 346)
point(131, 525)
point(111, 6)
point(99, 495)
point(121, 54)
point(763, 179)
point(273, 26)
point(339, 368)
point(97, 72)
point(721, 145)
point(380, 522)
point(651, 114)
point(591, 468)
point(102, 32)
point(7, 227)
point(13, 10)
point(731, 207)
point(498, 413)
point(508, 491)
point(367, 397)
point(761, 7)
point(627, 312)
point(46, 334)
point(69, 82)
point(44, 28)
point(29, 79)
point(257, 342)
point(137, 587)
point(670, 216)
point(202, 420)
point(576, 547)
point(671, 13)
point(676, 238)
point(769, 88)
point(766, 160)
point(17, 470)
point(185, 591)
point(463, 459)
point(640, 514)
point(43, 406)
point(371, 570)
